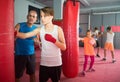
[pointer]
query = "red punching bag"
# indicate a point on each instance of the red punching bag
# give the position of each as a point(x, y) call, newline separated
point(6, 41)
point(58, 22)
point(70, 28)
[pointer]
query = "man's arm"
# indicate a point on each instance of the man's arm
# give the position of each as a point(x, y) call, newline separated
point(29, 34)
point(16, 29)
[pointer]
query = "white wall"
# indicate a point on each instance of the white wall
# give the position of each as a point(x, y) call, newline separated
point(58, 9)
point(21, 10)
point(83, 24)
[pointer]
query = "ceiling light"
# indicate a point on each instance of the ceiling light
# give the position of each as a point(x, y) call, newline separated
point(100, 13)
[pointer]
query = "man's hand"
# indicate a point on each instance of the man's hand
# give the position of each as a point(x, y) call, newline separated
point(15, 33)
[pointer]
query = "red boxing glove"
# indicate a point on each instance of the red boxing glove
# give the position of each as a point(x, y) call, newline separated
point(15, 33)
point(49, 37)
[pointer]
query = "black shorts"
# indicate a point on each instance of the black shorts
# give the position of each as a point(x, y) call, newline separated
point(97, 43)
point(22, 62)
point(49, 72)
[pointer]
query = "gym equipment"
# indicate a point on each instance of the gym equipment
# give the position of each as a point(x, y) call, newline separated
point(70, 28)
point(7, 41)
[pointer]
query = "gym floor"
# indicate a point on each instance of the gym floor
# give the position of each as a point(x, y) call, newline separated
point(105, 71)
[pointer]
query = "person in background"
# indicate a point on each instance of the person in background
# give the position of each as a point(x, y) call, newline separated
point(52, 42)
point(89, 44)
point(24, 48)
point(109, 44)
point(96, 35)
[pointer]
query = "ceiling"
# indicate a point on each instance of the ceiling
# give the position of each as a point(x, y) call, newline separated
point(91, 5)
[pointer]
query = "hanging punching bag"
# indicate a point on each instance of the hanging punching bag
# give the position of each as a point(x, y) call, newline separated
point(70, 28)
point(6, 41)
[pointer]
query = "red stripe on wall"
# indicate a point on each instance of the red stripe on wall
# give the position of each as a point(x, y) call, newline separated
point(115, 28)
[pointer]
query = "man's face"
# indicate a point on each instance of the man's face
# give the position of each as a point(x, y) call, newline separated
point(32, 17)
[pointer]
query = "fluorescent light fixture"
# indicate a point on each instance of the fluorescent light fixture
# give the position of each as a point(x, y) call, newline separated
point(100, 13)
point(84, 2)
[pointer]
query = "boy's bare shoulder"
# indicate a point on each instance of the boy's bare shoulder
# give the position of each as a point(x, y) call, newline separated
point(59, 28)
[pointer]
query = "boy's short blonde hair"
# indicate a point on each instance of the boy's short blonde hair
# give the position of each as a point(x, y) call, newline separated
point(48, 11)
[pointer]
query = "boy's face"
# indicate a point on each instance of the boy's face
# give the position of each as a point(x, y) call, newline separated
point(45, 19)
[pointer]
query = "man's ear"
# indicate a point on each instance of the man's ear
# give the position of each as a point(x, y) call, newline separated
point(36, 19)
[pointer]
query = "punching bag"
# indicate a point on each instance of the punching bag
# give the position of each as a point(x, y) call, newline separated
point(70, 28)
point(58, 22)
point(7, 41)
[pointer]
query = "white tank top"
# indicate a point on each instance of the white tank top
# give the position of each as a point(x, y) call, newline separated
point(110, 37)
point(50, 53)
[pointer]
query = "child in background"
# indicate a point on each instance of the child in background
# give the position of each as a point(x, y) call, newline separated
point(109, 44)
point(96, 35)
point(89, 44)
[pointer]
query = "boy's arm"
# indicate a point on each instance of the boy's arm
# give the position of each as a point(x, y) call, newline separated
point(80, 39)
point(61, 39)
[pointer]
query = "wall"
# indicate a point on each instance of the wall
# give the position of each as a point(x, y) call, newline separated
point(58, 11)
point(98, 20)
point(83, 24)
point(107, 20)
point(21, 10)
